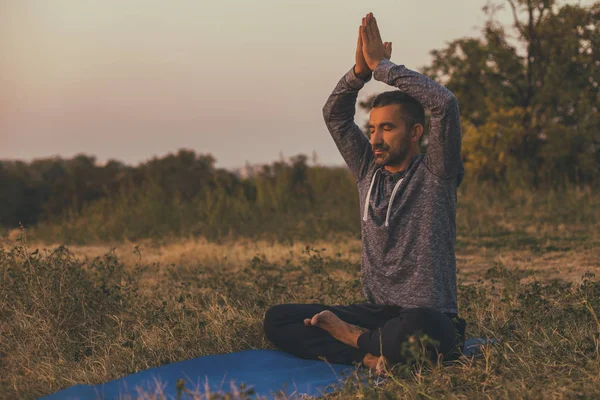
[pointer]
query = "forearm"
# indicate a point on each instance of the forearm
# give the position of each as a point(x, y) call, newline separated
point(429, 93)
point(338, 113)
point(340, 106)
point(443, 157)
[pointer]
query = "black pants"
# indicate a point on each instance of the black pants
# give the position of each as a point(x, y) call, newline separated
point(389, 327)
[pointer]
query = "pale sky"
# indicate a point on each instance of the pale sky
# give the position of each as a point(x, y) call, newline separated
point(242, 80)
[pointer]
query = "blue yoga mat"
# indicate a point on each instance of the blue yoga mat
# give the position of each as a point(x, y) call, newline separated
point(267, 372)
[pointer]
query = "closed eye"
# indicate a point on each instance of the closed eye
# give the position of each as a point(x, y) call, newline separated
point(385, 126)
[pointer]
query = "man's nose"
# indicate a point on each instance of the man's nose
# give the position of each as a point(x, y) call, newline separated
point(376, 137)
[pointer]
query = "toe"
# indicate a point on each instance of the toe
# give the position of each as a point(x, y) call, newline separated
point(370, 361)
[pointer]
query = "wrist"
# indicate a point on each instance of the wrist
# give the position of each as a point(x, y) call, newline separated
point(363, 74)
point(375, 64)
point(381, 71)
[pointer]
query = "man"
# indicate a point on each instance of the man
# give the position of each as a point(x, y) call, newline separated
point(408, 210)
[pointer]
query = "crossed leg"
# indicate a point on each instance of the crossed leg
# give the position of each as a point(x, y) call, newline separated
point(347, 334)
point(367, 333)
point(284, 327)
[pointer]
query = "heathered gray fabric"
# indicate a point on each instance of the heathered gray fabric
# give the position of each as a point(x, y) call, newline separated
point(411, 263)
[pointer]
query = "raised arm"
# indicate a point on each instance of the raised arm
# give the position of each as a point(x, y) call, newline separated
point(339, 110)
point(338, 113)
point(443, 156)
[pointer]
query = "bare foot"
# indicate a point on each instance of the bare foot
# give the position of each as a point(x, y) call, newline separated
point(370, 361)
point(331, 323)
point(382, 367)
point(377, 364)
point(340, 330)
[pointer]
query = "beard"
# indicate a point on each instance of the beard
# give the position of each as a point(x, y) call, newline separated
point(389, 157)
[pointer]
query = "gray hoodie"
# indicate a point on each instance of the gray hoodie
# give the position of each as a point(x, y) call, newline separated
point(408, 219)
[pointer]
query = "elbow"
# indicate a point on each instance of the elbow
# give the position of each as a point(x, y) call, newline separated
point(451, 102)
point(326, 112)
point(328, 116)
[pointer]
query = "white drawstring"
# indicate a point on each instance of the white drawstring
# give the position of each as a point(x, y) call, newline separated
point(389, 210)
point(369, 197)
point(387, 216)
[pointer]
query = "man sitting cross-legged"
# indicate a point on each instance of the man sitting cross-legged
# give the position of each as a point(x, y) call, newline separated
point(408, 214)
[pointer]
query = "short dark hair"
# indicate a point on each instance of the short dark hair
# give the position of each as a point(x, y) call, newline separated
point(412, 110)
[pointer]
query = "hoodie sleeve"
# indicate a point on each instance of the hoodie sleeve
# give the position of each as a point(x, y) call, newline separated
point(338, 113)
point(443, 157)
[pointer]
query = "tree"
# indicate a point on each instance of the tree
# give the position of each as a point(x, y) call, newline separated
point(528, 93)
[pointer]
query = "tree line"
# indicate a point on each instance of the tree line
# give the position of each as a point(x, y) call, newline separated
point(179, 194)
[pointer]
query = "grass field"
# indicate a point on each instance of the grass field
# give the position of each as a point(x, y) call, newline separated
point(88, 314)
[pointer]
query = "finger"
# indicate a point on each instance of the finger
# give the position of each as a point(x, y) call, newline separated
point(388, 49)
point(359, 44)
point(376, 29)
point(365, 35)
point(370, 29)
point(366, 32)
point(307, 322)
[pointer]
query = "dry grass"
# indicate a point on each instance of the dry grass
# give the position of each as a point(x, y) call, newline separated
point(473, 259)
point(195, 251)
point(90, 314)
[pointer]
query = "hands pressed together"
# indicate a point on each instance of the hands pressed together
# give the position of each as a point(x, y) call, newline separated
point(370, 49)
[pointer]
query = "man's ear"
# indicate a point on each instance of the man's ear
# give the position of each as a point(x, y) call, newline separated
point(417, 131)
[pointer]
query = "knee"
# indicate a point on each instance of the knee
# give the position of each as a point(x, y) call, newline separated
point(273, 318)
point(428, 321)
point(418, 322)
